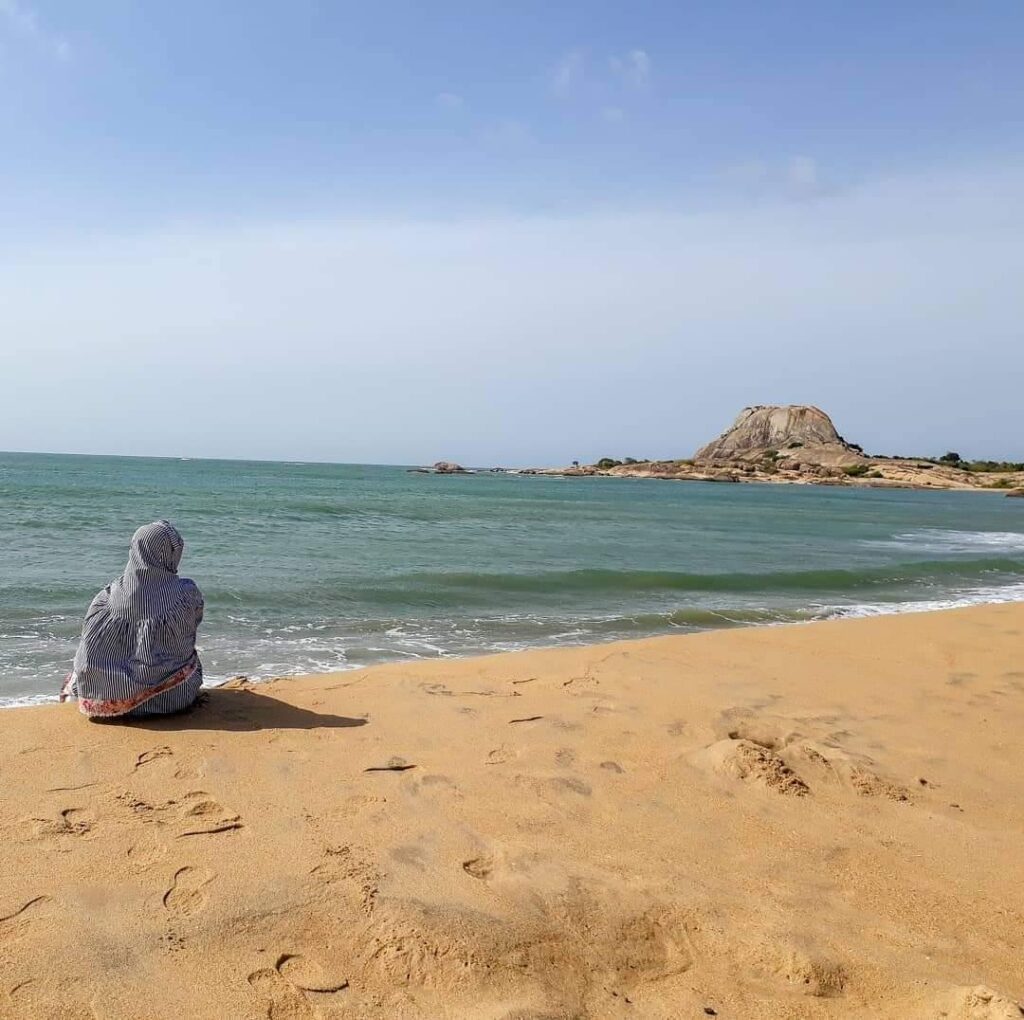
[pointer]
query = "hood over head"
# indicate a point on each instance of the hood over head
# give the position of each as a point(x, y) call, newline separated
point(156, 546)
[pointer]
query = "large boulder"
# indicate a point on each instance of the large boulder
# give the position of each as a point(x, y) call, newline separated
point(765, 428)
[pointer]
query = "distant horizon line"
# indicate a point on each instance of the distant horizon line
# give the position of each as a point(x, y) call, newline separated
point(182, 457)
point(256, 460)
point(394, 464)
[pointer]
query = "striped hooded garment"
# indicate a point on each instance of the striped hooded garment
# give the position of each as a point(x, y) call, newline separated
point(137, 655)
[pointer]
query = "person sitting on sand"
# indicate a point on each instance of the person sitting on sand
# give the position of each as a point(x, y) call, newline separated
point(137, 655)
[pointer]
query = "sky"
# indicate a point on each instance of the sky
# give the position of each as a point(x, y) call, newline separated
point(507, 234)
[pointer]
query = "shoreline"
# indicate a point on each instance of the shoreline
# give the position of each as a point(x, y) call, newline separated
point(729, 475)
point(858, 612)
point(777, 822)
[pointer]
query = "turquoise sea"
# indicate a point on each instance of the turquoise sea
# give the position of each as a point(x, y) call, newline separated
point(312, 567)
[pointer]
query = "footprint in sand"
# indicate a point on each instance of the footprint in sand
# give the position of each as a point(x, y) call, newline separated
point(69, 822)
point(187, 894)
point(197, 812)
point(76, 821)
point(303, 973)
point(141, 809)
point(199, 804)
point(649, 947)
point(152, 755)
point(204, 816)
point(286, 1002)
point(287, 984)
point(353, 871)
point(802, 969)
point(478, 867)
point(500, 755)
point(141, 856)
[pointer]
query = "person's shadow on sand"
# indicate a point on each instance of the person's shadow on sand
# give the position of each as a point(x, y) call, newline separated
point(243, 710)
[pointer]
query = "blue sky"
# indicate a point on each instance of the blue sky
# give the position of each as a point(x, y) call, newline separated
point(507, 233)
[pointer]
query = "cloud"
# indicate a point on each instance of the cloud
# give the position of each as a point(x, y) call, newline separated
point(532, 339)
point(25, 23)
point(22, 18)
point(449, 101)
point(568, 73)
point(634, 68)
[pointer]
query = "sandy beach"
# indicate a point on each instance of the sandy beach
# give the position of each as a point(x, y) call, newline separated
point(805, 821)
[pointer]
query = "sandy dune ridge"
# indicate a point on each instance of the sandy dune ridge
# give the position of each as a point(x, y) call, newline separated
point(808, 821)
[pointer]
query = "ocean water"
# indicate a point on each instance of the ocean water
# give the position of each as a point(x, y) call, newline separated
point(313, 567)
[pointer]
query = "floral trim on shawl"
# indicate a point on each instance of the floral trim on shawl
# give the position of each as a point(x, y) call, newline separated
point(96, 707)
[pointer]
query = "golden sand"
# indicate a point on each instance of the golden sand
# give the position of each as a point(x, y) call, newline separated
point(807, 821)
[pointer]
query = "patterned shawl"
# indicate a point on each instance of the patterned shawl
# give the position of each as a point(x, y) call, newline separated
point(139, 636)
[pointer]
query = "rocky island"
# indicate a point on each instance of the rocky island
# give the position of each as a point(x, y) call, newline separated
point(799, 444)
point(442, 467)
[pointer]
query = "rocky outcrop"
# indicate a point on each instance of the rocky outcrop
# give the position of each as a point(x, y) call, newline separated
point(798, 445)
point(442, 467)
point(764, 429)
